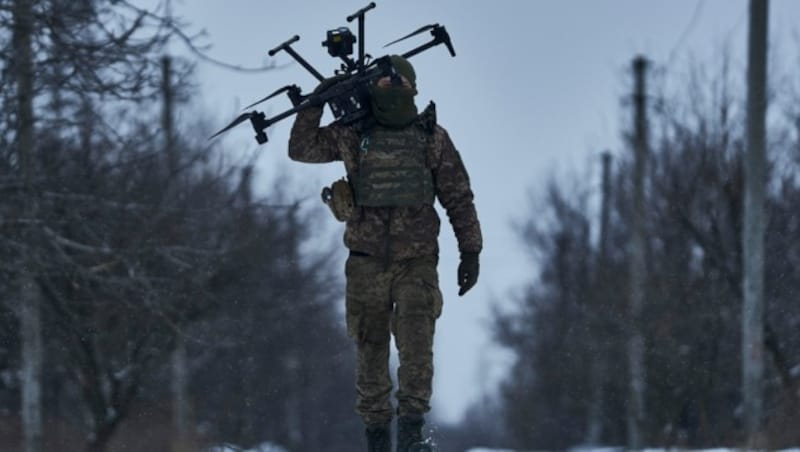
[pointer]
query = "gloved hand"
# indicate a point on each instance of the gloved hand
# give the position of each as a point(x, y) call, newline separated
point(328, 82)
point(467, 272)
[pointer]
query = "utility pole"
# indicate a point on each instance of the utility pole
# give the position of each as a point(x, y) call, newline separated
point(636, 346)
point(180, 379)
point(30, 296)
point(753, 235)
point(597, 316)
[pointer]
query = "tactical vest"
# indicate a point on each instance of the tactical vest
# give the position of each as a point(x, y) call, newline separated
point(393, 168)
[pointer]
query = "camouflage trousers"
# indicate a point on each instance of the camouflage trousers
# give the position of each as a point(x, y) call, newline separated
point(401, 298)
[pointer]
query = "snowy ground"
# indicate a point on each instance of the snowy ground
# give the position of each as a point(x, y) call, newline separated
point(270, 447)
point(619, 449)
point(265, 447)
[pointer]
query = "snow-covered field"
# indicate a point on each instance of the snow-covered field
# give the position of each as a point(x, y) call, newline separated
point(270, 447)
point(620, 449)
point(265, 447)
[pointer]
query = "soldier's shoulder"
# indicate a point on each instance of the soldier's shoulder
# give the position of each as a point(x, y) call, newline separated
point(427, 119)
point(441, 138)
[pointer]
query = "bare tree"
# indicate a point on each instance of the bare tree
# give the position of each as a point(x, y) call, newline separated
point(93, 49)
point(692, 322)
point(550, 387)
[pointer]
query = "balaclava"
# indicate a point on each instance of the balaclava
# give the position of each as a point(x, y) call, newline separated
point(393, 106)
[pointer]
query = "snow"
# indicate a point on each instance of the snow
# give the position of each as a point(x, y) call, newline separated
point(480, 449)
point(489, 450)
point(615, 449)
point(264, 447)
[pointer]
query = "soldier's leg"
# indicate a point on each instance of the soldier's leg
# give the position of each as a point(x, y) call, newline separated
point(369, 310)
point(418, 303)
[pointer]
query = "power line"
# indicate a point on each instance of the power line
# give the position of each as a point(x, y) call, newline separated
point(689, 27)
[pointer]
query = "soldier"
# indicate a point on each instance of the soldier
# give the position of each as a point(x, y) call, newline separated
point(397, 163)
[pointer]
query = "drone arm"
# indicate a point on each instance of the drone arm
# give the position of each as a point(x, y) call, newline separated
point(440, 36)
point(305, 64)
point(260, 122)
point(287, 46)
point(420, 49)
point(361, 39)
point(360, 13)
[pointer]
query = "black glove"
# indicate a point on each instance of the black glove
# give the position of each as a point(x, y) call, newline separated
point(326, 84)
point(467, 272)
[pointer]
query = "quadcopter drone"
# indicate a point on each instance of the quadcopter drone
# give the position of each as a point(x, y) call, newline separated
point(348, 95)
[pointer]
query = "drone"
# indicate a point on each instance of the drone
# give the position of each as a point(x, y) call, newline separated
point(348, 95)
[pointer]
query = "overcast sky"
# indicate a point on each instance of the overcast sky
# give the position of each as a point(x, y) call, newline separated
point(533, 94)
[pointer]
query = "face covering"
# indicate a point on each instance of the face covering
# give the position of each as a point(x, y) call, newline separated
point(393, 106)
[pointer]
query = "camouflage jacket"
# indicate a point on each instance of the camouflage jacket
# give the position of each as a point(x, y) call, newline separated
point(394, 232)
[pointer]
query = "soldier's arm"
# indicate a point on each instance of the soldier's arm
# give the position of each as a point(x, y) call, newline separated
point(454, 192)
point(311, 143)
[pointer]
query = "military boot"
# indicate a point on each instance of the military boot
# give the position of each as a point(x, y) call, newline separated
point(409, 434)
point(378, 438)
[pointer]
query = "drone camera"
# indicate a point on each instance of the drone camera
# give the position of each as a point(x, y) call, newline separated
point(340, 42)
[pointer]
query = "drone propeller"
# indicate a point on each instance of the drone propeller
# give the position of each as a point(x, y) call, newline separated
point(411, 35)
point(294, 92)
point(242, 118)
